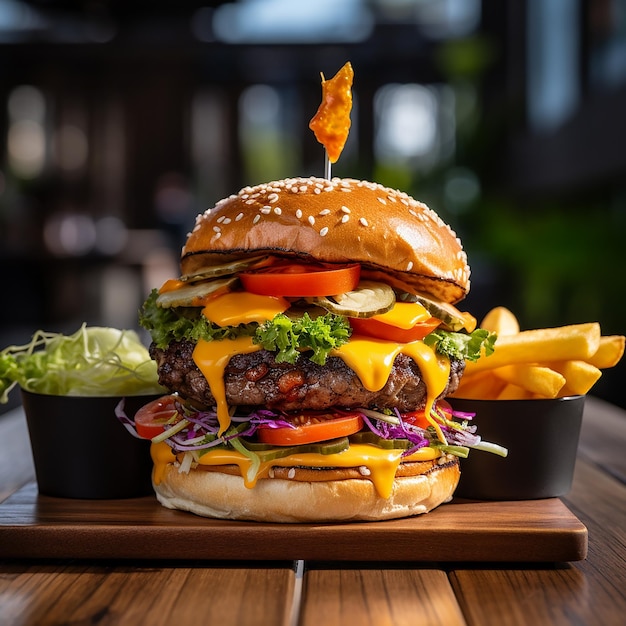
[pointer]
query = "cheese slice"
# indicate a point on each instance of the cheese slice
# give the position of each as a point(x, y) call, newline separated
point(404, 315)
point(240, 307)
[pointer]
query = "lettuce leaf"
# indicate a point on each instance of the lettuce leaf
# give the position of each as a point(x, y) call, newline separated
point(469, 347)
point(321, 335)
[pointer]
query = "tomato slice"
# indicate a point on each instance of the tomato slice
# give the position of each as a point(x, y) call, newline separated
point(311, 427)
point(152, 418)
point(419, 419)
point(380, 330)
point(300, 280)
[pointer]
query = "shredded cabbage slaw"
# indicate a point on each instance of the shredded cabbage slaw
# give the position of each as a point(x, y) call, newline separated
point(196, 432)
point(93, 361)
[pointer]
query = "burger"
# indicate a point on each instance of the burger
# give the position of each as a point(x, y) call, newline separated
point(308, 345)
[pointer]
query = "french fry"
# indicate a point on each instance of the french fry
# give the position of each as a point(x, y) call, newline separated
point(483, 385)
point(513, 392)
point(563, 343)
point(501, 321)
point(580, 376)
point(535, 379)
point(609, 353)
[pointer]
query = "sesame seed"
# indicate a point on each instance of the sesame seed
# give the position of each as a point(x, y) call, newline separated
point(409, 266)
point(278, 210)
point(221, 218)
point(381, 200)
point(266, 210)
point(317, 190)
point(216, 237)
point(291, 473)
point(344, 219)
point(345, 209)
point(324, 212)
point(299, 214)
point(238, 217)
point(227, 220)
point(256, 219)
point(311, 220)
point(273, 197)
point(324, 231)
point(364, 470)
point(363, 221)
point(303, 188)
point(216, 229)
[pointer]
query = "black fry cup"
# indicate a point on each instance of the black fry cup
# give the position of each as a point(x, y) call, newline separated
point(542, 440)
point(81, 450)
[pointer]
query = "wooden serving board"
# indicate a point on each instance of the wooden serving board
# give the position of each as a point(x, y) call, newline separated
point(35, 526)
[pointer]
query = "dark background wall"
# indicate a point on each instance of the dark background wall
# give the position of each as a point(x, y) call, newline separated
point(122, 120)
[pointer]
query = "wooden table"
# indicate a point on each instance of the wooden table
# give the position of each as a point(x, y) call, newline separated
point(184, 591)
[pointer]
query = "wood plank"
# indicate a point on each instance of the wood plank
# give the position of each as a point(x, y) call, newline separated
point(550, 596)
point(358, 597)
point(149, 594)
point(33, 526)
point(600, 499)
point(603, 437)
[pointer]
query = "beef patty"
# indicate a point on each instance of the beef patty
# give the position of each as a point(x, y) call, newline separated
point(256, 379)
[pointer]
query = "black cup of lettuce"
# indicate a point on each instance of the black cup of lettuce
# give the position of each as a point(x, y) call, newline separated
point(81, 450)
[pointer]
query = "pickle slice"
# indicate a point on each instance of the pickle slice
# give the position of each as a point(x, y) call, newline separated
point(368, 299)
point(191, 295)
point(451, 317)
point(268, 452)
point(375, 440)
point(233, 267)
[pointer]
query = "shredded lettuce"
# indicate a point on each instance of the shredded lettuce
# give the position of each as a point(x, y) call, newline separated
point(94, 361)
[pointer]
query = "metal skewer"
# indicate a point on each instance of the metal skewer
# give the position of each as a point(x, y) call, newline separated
point(327, 166)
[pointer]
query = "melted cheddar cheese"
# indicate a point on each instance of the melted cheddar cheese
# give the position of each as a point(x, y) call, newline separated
point(382, 464)
point(212, 357)
point(241, 307)
point(404, 315)
point(372, 360)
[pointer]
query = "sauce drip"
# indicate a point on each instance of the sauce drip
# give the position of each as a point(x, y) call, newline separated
point(331, 123)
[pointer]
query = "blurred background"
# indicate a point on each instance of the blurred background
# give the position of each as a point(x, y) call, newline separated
point(120, 121)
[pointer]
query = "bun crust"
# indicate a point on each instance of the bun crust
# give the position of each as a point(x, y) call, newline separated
point(224, 496)
point(336, 221)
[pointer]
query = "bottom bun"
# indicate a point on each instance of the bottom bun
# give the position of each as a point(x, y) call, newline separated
point(224, 496)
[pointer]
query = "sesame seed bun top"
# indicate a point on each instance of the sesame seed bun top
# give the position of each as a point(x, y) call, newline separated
point(339, 221)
